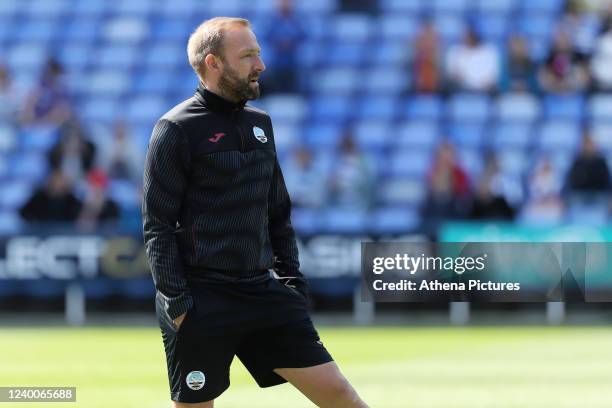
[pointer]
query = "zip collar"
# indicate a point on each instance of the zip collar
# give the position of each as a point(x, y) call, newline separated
point(215, 102)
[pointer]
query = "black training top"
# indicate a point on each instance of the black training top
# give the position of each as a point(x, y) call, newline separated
point(214, 197)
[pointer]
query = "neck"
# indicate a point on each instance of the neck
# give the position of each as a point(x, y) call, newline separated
point(214, 88)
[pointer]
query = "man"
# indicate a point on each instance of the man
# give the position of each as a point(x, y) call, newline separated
point(216, 217)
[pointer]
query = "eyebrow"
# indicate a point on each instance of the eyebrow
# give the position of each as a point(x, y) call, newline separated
point(250, 50)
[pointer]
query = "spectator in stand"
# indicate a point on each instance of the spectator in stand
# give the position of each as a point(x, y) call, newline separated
point(97, 207)
point(52, 202)
point(519, 70)
point(305, 179)
point(48, 103)
point(121, 158)
point(495, 194)
point(73, 153)
point(582, 26)
point(8, 98)
point(544, 204)
point(602, 58)
point(284, 36)
point(565, 69)
point(589, 172)
point(448, 186)
point(425, 59)
point(473, 65)
point(351, 178)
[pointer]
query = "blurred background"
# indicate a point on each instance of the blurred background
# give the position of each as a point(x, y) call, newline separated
point(437, 120)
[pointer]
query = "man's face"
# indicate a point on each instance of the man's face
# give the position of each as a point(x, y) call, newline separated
point(242, 64)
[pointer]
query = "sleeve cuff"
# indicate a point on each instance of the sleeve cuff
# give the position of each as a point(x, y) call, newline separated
point(176, 306)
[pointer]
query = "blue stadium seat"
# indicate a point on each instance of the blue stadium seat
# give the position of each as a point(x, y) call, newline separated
point(104, 109)
point(600, 107)
point(126, 29)
point(90, 8)
point(36, 30)
point(498, 6)
point(311, 54)
point(145, 108)
point(469, 108)
point(165, 55)
point(344, 221)
point(120, 57)
point(392, 54)
point(124, 193)
point(394, 27)
point(14, 193)
point(75, 56)
point(8, 138)
point(133, 7)
point(402, 191)
point(466, 134)
point(550, 7)
point(493, 27)
point(471, 160)
point(108, 82)
point(402, 6)
point(351, 27)
point(408, 163)
point(372, 134)
point(558, 135)
point(306, 221)
point(513, 162)
point(419, 134)
point(176, 30)
point(286, 135)
point(288, 107)
point(602, 133)
point(352, 54)
point(333, 108)
point(394, 220)
point(451, 28)
point(37, 138)
point(385, 80)
point(377, 107)
point(31, 167)
point(10, 223)
point(536, 26)
point(26, 56)
point(450, 6)
point(517, 107)
point(336, 80)
point(153, 82)
point(424, 107)
point(321, 135)
point(570, 107)
point(511, 135)
point(47, 9)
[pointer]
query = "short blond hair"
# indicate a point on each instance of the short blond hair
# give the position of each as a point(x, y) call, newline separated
point(208, 39)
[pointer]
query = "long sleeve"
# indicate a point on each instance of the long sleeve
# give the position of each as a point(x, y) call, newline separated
point(282, 235)
point(164, 184)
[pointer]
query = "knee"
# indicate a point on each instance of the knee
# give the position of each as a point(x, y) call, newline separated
point(341, 392)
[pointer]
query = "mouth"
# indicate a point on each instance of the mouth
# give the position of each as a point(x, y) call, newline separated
point(254, 81)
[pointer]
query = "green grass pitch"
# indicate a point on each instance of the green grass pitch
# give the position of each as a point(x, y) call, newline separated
point(391, 367)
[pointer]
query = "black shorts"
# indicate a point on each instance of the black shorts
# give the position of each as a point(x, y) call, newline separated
point(265, 324)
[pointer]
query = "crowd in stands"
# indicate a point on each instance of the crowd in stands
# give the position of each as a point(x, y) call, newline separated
point(578, 62)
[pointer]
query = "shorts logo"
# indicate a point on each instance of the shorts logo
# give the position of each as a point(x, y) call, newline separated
point(260, 134)
point(195, 380)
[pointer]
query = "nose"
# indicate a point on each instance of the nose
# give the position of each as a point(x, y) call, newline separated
point(259, 65)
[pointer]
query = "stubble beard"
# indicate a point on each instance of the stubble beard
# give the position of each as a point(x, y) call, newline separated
point(235, 88)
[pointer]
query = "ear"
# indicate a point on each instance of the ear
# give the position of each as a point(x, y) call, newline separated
point(212, 63)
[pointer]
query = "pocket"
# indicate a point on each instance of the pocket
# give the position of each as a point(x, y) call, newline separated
point(186, 320)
